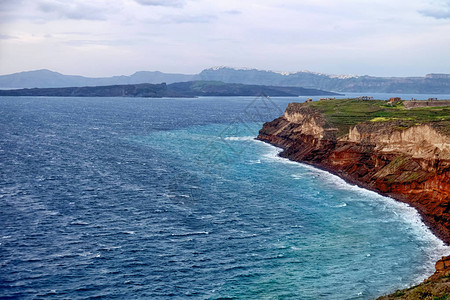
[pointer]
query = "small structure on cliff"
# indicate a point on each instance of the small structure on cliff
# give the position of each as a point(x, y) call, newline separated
point(394, 100)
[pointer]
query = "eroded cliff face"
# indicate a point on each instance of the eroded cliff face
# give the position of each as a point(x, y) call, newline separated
point(408, 164)
point(411, 165)
point(421, 141)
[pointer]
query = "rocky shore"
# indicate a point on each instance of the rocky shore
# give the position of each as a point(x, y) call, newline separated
point(408, 161)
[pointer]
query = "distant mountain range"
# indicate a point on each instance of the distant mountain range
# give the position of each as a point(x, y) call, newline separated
point(180, 89)
point(50, 79)
point(431, 83)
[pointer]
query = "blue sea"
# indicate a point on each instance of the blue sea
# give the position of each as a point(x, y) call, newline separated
point(132, 198)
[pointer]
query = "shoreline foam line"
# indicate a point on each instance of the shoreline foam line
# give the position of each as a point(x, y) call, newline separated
point(437, 247)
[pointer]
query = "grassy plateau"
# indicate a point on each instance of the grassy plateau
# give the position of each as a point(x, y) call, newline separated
point(345, 113)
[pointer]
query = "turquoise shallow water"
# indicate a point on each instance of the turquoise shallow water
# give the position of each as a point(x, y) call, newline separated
point(159, 198)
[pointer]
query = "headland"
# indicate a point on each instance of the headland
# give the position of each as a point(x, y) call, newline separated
point(400, 149)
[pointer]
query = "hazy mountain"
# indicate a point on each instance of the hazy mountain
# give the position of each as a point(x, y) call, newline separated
point(431, 83)
point(49, 79)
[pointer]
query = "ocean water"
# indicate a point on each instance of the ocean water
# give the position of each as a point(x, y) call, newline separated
point(173, 198)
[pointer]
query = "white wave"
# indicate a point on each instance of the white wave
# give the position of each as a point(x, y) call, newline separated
point(190, 233)
point(109, 248)
point(409, 215)
point(339, 205)
point(169, 195)
point(252, 162)
point(239, 138)
point(336, 205)
point(80, 223)
point(175, 195)
point(273, 154)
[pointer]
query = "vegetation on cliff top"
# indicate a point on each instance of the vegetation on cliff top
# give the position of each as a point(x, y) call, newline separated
point(345, 113)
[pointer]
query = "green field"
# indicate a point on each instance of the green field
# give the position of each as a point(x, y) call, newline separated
point(344, 113)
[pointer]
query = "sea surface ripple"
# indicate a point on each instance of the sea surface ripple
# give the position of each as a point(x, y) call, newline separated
point(173, 198)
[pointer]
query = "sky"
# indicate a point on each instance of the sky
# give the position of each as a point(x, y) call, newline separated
point(119, 37)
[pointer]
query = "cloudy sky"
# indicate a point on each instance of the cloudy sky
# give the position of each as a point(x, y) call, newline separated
point(119, 37)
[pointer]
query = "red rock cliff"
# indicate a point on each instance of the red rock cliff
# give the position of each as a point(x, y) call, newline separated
point(411, 165)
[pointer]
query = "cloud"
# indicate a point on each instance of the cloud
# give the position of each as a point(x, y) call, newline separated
point(170, 3)
point(233, 12)
point(6, 37)
point(325, 35)
point(442, 12)
point(191, 19)
point(72, 10)
point(437, 14)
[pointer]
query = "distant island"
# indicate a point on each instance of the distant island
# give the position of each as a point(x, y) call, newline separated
point(180, 89)
point(397, 148)
point(428, 84)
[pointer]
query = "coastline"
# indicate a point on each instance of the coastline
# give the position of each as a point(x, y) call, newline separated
point(425, 219)
point(407, 162)
point(431, 272)
point(348, 179)
point(352, 182)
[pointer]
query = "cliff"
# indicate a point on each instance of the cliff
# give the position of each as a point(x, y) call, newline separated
point(399, 152)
